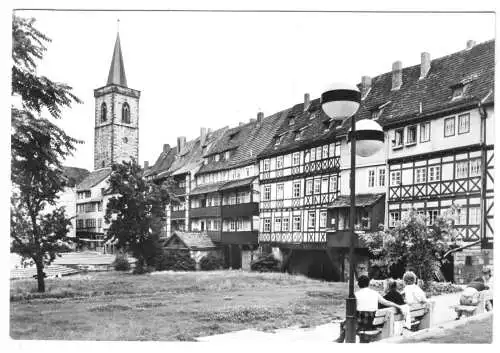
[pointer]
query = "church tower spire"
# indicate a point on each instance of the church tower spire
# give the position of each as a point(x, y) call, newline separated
point(116, 136)
point(117, 69)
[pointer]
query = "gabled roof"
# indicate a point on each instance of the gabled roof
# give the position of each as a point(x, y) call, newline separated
point(94, 178)
point(192, 240)
point(362, 200)
point(474, 67)
point(117, 69)
point(313, 125)
point(74, 175)
point(164, 161)
point(245, 142)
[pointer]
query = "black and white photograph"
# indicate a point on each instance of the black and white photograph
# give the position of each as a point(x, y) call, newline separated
point(261, 174)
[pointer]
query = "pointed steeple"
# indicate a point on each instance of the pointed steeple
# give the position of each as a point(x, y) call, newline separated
point(117, 70)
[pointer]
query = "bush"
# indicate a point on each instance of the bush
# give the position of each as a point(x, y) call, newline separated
point(121, 263)
point(175, 260)
point(211, 262)
point(266, 263)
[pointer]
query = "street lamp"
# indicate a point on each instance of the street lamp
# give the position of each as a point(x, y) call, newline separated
point(341, 102)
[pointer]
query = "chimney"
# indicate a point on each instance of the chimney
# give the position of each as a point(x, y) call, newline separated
point(366, 84)
point(470, 44)
point(425, 64)
point(307, 101)
point(166, 148)
point(203, 136)
point(180, 143)
point(397, 75)
point(146, 164)
point(260, 116)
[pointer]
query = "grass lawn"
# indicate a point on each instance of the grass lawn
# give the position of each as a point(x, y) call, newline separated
point(480, 331)
point(169, 306)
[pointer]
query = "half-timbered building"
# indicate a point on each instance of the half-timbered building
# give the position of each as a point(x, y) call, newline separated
point(438, 117)
point(225, 201)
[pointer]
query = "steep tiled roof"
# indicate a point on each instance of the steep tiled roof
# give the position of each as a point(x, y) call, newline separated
point(74, 175)
point(313, 124)
point(362, 200)
point(94, 178)
point(474, 67)
point(163, 162)
point(193, 240)
point(246, 142)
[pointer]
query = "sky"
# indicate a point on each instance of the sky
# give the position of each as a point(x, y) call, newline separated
point(208, 69)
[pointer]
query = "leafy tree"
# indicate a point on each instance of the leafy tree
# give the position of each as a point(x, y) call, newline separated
point(413, 244)
point(135, 212)
point(38, 148)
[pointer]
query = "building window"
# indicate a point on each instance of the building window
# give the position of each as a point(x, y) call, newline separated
point(461, 170)
point(394, 217)
point(420, 175)
point(425, 132)
point(277, 224)
point(104, 112)
point(434, 173)
point(267, 224)
point(398, 138)
point(375, 114)
point(309, 187)
point(278, 140)
point(311, 220)
point(324, 185)
point(464, 123)
point(318, 153)
point(325, 151)
point(474, 215)
point(267, 192)
point(296, 189)
point(475, 167)
point(411, 135)
point(333, 183)
point(317, 186)
point(296, 159)
point(468, 260)
point(296, 223)
point(396, 178)
point(322, 219)
point(232, 225)
point(381, 177)
point(279, 191)
point(99, 223)
point(291, 121)
point(431, 216)
point(279, 162)
point(371, 178)
point(457, 92)
point(461, 216)
point(125, 113)
point(285, 226)
point(99, 206)
point(217, 157)
point(267, 164)
point(227, 155)
point(449, 127)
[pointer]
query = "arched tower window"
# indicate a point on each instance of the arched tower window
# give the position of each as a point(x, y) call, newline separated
point(104, 111)
point(125, 113)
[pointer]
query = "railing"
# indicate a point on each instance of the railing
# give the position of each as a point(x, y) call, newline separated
point(240, 210)
point(178, 214)
point(200, 212)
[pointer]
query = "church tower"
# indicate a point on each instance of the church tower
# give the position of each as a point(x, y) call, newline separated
point(116, 117)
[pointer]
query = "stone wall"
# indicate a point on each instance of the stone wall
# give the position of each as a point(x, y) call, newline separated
point(469, 263)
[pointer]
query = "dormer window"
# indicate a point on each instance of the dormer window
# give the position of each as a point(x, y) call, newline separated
point(458, 91)
point(278, 140)
point(375, 113)
point(299, 134)
point(312, 116)
point(217, 157)
point(233, 135)
point(291, 121)
point(326, 125)
point(227, 154)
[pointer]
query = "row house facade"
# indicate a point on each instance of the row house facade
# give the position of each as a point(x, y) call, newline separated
point(225, 201)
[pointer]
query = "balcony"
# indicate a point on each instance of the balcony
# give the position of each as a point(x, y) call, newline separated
point(203, 212)
point(178, 191)
point(340, 239)
point(215, 235)
point(178, 214)
point(241, 210)
point(245, 237)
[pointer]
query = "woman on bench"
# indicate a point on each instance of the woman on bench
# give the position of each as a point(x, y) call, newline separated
point(367, 301)
point(412, 292)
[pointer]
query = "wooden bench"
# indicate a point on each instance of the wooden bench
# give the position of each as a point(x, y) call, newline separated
point(470, 310)
point(385, 319)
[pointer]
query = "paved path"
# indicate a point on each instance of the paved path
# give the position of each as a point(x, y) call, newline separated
point(323, 333)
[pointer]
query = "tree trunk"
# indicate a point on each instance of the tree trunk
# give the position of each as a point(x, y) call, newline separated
point(40, 276)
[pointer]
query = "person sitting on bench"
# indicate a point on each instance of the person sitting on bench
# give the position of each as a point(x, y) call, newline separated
point(392, 294)
point(412, 292)
point(367, 301)
point(470, 295)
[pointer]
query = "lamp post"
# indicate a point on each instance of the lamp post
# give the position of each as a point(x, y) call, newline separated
point(341, 102)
